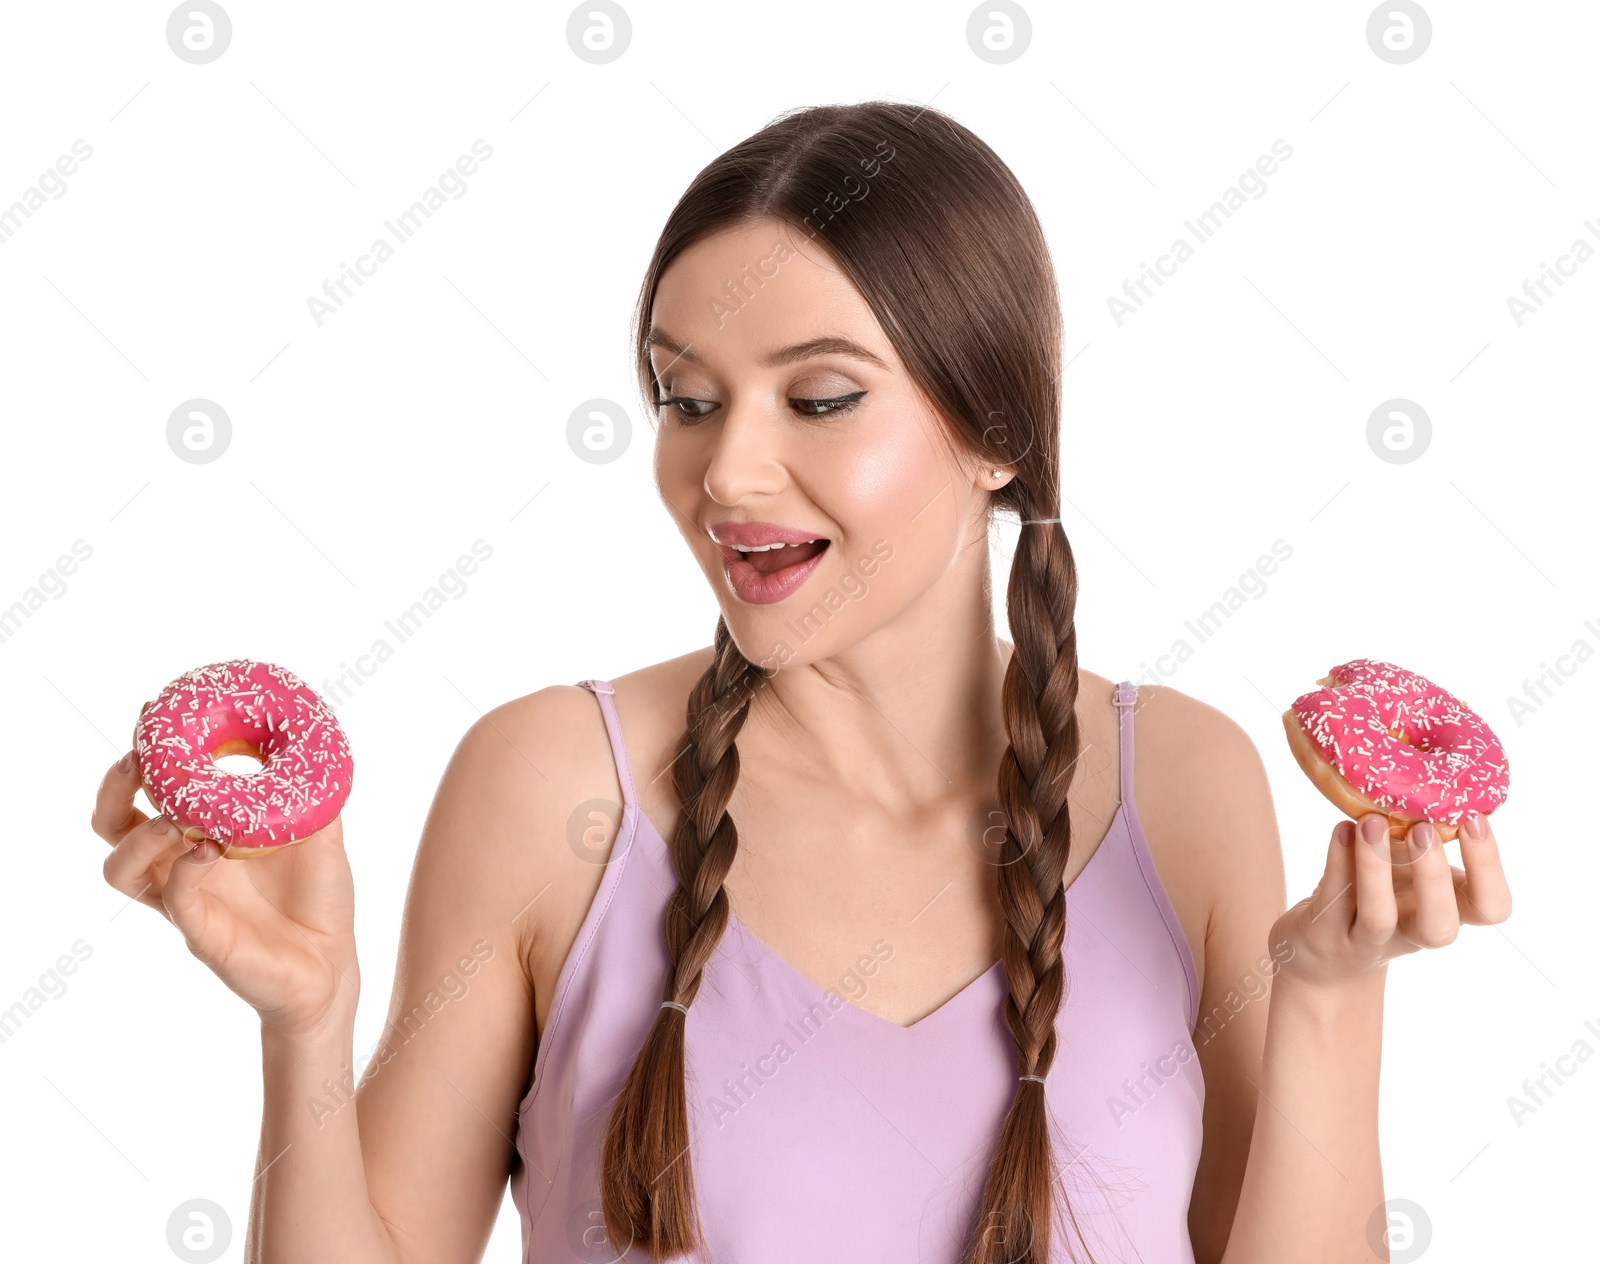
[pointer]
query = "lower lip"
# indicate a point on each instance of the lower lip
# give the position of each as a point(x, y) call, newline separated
point(762, 590)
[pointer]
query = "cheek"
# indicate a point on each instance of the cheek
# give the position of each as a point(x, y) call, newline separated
point(881, 480)
point(679, 471)
point(665, 458)
point(891, 490)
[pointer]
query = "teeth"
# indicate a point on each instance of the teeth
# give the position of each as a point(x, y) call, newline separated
point(763, 548)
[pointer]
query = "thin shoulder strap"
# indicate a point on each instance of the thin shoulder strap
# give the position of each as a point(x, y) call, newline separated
point(1124, 696)
point(619, 753)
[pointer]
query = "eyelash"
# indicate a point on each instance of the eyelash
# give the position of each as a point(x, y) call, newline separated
point(837, 406)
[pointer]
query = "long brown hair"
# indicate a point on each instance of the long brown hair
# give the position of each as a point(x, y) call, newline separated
point(936, 233)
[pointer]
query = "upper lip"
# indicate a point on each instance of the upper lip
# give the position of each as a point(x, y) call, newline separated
point(755, 534)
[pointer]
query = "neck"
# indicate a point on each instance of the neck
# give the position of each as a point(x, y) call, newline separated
point(907, 715)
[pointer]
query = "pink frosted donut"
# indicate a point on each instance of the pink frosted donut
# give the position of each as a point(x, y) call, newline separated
point(1378, 738)
point(244, 707)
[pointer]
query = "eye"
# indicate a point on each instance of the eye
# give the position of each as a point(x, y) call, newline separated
point(691, 410)
point(685, 406)
point(836, 406)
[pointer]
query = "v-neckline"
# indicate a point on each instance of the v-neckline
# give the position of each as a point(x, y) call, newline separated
point(982, 980)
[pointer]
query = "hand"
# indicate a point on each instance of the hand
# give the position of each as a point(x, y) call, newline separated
point(1383, 899)
point(277, 929)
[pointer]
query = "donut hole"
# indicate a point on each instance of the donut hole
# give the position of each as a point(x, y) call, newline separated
point(238, 757)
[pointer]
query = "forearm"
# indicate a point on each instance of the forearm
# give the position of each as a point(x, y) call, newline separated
point(1314, 1176)
point(310, 1200)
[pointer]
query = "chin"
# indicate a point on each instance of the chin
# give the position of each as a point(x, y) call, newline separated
point(810, 620)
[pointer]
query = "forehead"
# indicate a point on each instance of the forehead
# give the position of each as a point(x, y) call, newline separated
point(750, 290)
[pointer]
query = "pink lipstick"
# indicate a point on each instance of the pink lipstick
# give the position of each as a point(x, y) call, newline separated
point(766, 562)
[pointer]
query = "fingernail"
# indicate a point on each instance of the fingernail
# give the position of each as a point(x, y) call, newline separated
point(1344, 831)
point(160, 824)
point(196, 854)
point(1474, 825)
point(125, 764)
point(1375, 830)
point(1424, 837)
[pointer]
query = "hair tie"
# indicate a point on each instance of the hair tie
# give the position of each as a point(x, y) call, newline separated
point(1040, 1078)
point(1026, 521)
point(674, 1005)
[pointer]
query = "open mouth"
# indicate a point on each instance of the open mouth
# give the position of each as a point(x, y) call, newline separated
point(766, 574)
point(769, 559)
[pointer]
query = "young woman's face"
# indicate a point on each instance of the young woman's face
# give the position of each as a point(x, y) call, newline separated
point(789, 415)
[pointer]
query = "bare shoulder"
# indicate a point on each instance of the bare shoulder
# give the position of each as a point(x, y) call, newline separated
point(518, 771)
point(1205, 802)
point(653, 699)
point(1202, 796)
point(1201, 750)
point(652, 705)
point(510, 858)
point(536, 797)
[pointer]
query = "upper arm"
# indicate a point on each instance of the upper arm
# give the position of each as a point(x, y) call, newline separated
point(438, 1101)
point(1219, 784)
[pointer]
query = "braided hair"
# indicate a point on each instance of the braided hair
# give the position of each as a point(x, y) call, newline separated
point(936, 233)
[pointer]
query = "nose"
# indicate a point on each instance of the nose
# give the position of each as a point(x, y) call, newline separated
point(746, 456)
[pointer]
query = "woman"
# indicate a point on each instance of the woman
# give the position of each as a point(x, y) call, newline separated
point(912, 1007)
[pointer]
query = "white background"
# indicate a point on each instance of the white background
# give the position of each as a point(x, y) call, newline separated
point(431, 411)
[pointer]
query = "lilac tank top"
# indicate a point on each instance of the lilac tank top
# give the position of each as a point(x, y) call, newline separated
point(821, 1131)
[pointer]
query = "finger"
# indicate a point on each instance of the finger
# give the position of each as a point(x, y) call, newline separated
point(1485, 894)
point(184, 900)
point(114, 814)
point(1375, 903)
point(137, 866)
point(1434, 920)
point(1333, 904)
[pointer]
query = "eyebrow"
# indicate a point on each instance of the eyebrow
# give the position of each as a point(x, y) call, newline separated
point(826, 345)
